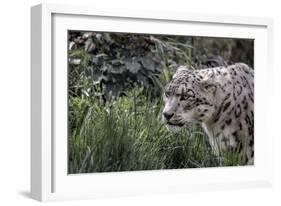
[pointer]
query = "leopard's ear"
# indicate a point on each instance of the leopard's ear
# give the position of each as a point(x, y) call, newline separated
point(181, 70)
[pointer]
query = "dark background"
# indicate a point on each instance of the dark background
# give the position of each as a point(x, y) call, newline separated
point(119, 60)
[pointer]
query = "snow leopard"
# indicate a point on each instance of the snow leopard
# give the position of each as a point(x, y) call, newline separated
point(220, 99)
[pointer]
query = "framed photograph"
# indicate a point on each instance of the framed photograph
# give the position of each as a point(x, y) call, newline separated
point(137, 102)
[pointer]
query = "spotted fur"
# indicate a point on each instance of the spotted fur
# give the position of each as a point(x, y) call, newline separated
point(221, 99)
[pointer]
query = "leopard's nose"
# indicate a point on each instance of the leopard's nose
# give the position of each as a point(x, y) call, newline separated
point(168, 115)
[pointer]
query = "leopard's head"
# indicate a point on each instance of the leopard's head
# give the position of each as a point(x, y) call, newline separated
point(189, 97)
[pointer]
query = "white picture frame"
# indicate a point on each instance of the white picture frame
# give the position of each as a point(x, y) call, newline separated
point(49, 178)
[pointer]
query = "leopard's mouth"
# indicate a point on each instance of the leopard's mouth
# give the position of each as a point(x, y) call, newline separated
point(180, 124)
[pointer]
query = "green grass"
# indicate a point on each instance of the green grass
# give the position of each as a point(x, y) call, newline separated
point(128, 135)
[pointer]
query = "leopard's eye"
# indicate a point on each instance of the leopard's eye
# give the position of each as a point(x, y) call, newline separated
point(187, 96)
point(166, 94)
point(190, 93)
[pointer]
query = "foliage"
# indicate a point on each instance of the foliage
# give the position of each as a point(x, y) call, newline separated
point(128, 134)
